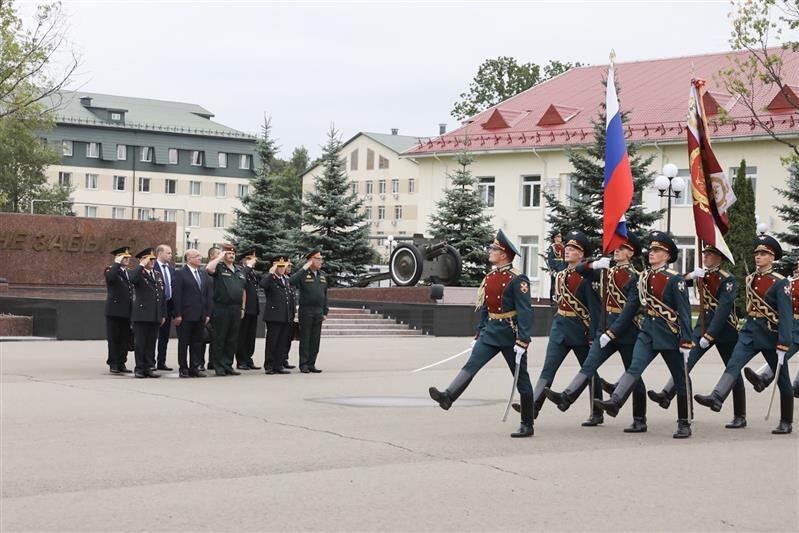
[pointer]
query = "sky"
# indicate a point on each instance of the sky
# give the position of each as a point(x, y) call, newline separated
point(361, 66)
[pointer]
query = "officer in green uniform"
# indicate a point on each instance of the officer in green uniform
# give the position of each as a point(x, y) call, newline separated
point(666, 329)
point(767, 330)
point(721, 328)
point(229, 305)
point(312, 285)
point(506, 322)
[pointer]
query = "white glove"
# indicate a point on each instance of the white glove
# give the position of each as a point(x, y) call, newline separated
point(704, 343)
point(471, 346)
point(519, 351)
point(698, 273)
point(118, 259)
point(686, 352)
point(780, 357)
point(601, 263)
point(604, 339)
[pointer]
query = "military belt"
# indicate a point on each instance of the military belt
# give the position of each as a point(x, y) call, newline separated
point(501, 316)
point(561, 312)
point(796, 316)
point(612, 309)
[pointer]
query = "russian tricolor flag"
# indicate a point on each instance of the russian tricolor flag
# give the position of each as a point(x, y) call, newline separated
point(618, 184)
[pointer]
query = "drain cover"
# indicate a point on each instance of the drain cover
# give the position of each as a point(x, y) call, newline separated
point(396, 401)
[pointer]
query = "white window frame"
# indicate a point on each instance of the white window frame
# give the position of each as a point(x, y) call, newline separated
point(381, 187)
point(116, 116)
point(686, 197)
point(88, 181)
point(395, 186)
point(144, 185)
point(381, 212)
point(367, 211)
point(122, 152)
point(354, 187)
point(751, 173)
point(224, 189)
point(219, 220)
point(93, 150)
point(146, 153)
point(118, 213)
point(533, 182)
point(370, 187)
point(196, 158)
point(67, 148)
point(487, 190)
point(167, 181)
point(221, 160)
point(115, 183)
point(145, 213)
point(244, 162)
point(64, 179)
point(397, 212)
point(529, 255)
point(242, 190)
point(411, 185)
point(199, 188)
point(170, 215)
point(90, 211)
point(173, 156)
point(190, 223)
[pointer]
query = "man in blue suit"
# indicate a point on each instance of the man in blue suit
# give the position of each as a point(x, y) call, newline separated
point(192, 298)
point(163, 257)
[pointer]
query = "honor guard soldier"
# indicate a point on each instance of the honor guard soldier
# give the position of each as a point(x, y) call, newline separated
point(249, 324)
point(149, 312)
point(575, 321)
point(764, 375)
point(767, 330)
point(506, 321)
point(311, 283)
point(619, 331)
point(555, 262)
point(278, 315)
point(719, 288)
point(229, 305)
point(119, 294)
point(666, 329)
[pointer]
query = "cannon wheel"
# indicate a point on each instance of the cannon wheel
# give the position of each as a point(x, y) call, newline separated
point(454, 264)
point(405, 265)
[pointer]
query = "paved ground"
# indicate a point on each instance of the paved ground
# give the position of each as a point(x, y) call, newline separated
point(86, 451)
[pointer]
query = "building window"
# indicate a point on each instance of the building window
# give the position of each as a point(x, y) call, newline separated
point(244, 162)
point(368, 212)
point(194, 219)
point(173, 156)
point(242, 191)
point(531, 191)
point(170, 186)
point(122, 152)
point(65, 179)
point(93, 150)
point(485, 188)
point(370, 187)
point(219, 220)
point(382, 162)
point(146, 154)
point(354, 187)
point(751, 173)
point(116, 116)
point(395, 186)
point(195, 188)
point(119, 183)
point(370, 159)
point(222, 160)
point(381, 212)
point(397, 212)
point(117, 212)
point(528, 245)
point(170, 215)
point(66, 148)
point(381, 186)
point(354, 160)
point(220, 190)
point(144, 184)
point(411, 185)
point(145, 214)
point(90, 211)
point(196, 158)
point(686, 260)
point(91, 181)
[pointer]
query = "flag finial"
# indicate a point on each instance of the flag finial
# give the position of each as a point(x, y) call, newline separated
point(612, 57)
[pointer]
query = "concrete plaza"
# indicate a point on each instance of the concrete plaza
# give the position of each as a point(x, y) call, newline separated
point(83, 450)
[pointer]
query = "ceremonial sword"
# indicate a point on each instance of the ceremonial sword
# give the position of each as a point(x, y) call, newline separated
point(774, 388)
point(450, 358)
point(515, 381)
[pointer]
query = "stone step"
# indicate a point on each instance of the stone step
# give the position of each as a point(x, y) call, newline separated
point(347, 311)
point(353, 315)
point(392, 326)
point(376, 320)
point(373, 333)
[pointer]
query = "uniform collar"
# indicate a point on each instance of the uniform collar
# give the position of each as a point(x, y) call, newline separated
point(711, 270)
point(659, 269)
point(765, 272)
point(505, 267)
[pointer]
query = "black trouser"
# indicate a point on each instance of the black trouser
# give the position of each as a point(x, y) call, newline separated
point(310, 331)
point(289, 338)
point(145, 335)
point(276, 335)
point(190, 339)
point(246, 346)
point(598, 355)
point(163, 335)
point(226, 321)
point(117, 333)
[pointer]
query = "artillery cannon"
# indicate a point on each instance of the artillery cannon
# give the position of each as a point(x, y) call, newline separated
point(422, 259)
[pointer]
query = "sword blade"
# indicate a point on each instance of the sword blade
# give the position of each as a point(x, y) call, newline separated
point(450, 358)
point(512, 391)
point(773, 389)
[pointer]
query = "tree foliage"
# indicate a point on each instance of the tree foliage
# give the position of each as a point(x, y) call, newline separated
point(742, 232)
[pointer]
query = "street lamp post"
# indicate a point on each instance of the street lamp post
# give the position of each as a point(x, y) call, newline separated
point(670, 185)
point(390, 244)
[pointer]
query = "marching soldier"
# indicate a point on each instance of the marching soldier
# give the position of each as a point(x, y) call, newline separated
point(249, 324)
point(574, 324)
point(721, 329)
point(312, 285)
point(767, 330)
point(666, 329)
point(229, 305)
point(555, 262)
point(119, 293)
point(620, 328)
point(278, 316)
point(149, 312)
point(506, 321)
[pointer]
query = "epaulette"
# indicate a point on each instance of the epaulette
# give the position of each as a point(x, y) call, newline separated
point(516, 271)
point(777, 275)
point(672, 272)
point(724, 273)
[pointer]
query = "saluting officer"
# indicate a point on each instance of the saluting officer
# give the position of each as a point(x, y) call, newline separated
point(294, 325)
point(149, 312)
point(721, 328)
point(666, 330)
point(506, 322)
point(767, 330)
point(229, 305)
point(119, 293)
point(620, 328)
point(278, 315)
point(249, 324)
point(311, 282)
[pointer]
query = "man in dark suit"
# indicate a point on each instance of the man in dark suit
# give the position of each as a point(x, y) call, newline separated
point(149, 312)
point(163, 257)
point(278, 316)
point(249, 324)
point(119, 293)
point(192, 299)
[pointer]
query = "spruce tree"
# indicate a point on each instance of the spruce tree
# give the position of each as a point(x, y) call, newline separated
point(287, 188)
point(259, 223)
point(582, 211)
point(789, 213)
point(334, 220)
point(460, 219)
point(742, 232)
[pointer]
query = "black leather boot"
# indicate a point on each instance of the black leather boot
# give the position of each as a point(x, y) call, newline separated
point(664, 397)
point(596, 417)
point(786, 415)
point(538, 396)
point(760, 378)
point(623, 389)
point(638, 425)
point(564, 399)
point(683, 424)
point(446, 397)
point(715, 399)
point(738, 407)
point(607, 386)
point(796, 386)
point(526, 426)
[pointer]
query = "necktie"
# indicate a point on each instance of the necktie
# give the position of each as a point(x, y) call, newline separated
point(197, 277)
point(167, 282)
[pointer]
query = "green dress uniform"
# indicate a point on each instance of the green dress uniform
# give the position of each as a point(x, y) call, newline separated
point(666, 329)
point(249, 324)
point(312, 287)
point(767, 329)
point(229, 285)
point(506, 321)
